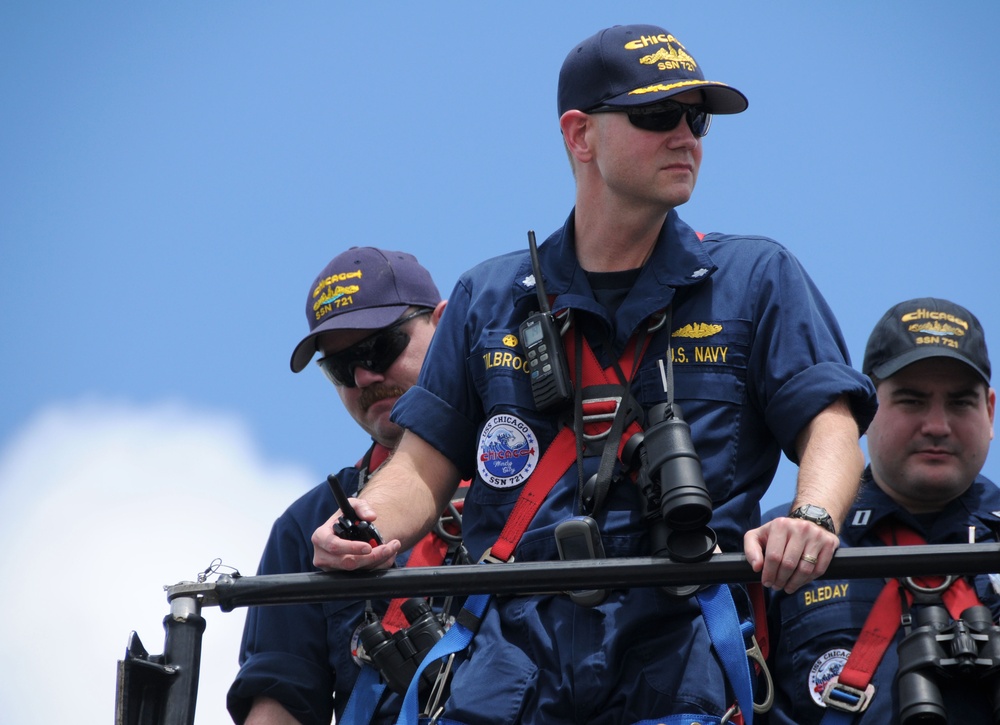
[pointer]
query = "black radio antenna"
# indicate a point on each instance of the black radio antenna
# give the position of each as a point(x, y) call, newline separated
point(536, 269)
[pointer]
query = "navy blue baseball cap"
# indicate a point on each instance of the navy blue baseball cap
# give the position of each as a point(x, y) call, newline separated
point(921, 328)
point(363, 289)
point(636, 65)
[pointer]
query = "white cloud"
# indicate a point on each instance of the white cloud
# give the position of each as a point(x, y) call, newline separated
point(101, 505)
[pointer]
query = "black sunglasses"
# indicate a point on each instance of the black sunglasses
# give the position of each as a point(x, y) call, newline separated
point(663, 116)
point(377, 353)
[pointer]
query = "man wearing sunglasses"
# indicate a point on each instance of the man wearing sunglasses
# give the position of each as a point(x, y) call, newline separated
point(371, 316)
point(728, 329)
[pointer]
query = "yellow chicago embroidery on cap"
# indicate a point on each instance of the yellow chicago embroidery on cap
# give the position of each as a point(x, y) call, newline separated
point(336, 295)
point(923, 314)
point(332, 295)
point(697, 329)
point(341, 277)
point(669, 58)
point(937, 328)
point(645, 41)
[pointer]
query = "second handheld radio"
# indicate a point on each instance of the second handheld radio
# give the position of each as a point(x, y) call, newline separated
point(349, 526)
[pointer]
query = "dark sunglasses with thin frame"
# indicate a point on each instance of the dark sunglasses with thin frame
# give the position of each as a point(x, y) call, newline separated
point(377, 352)
point(663, 116)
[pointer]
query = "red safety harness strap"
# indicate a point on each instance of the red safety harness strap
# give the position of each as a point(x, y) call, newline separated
point(561, 453)
point(879, 630)
point(885, 617)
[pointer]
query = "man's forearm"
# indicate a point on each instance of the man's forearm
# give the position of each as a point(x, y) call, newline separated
point(830, 461)
point(411, 490)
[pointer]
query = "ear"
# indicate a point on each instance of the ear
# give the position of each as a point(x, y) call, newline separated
point(991, 403)
point(574, 125)
point(438, 311)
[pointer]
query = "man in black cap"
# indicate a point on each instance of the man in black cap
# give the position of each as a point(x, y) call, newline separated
point(837, 643)
point(371, 314)
point(721, 339)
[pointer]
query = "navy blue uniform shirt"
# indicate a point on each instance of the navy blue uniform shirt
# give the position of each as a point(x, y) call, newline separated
point(814, 629)
point(756, 355)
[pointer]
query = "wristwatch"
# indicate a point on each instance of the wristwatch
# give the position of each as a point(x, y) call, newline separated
point(817, 514)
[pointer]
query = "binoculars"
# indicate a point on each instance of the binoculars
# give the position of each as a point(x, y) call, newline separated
point(938, 648)
point(397, 655)
point(676, 502)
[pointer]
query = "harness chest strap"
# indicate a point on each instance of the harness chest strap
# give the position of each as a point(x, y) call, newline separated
point(849, 691)
point(561, 453)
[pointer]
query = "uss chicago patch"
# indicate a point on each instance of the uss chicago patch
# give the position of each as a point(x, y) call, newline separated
point(825, 668)
point(508, 452)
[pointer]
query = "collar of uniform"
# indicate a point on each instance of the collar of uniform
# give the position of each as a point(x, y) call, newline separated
point(871, 507)
point(979, 505)
point(565, 281)
point(982, 502)
point(679, 259)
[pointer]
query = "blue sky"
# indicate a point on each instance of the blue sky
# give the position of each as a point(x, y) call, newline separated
point(174, 175)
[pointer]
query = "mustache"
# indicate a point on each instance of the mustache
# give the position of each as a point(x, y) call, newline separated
point(375, 393)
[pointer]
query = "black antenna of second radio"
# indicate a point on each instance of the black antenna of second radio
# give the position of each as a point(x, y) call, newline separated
point(536, 269)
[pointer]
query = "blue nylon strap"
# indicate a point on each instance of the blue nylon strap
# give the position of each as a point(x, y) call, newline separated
point(364, 699)
point(455, 639)
point(723, 623)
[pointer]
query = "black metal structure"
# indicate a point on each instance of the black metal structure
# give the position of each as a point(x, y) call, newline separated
point(163, 689)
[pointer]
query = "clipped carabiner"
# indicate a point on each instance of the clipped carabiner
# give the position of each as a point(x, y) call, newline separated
point(755, 655)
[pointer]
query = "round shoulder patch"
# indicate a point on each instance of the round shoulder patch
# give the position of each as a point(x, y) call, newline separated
point(508, 452)
point(825, 668)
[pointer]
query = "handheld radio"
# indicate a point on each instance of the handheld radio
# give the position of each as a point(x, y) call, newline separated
point(349, 526)
point(551, 385)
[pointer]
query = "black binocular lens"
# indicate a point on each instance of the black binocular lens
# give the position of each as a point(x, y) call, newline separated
point(675, 465)
point(396, 656)
point(676, 502)
point(938, 649)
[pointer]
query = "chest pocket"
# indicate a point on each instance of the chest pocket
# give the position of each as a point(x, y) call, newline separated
point(710, 378)
point(824, 616)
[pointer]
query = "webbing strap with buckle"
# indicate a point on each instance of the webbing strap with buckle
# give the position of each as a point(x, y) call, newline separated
point(560, 454)
point(851, 691)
